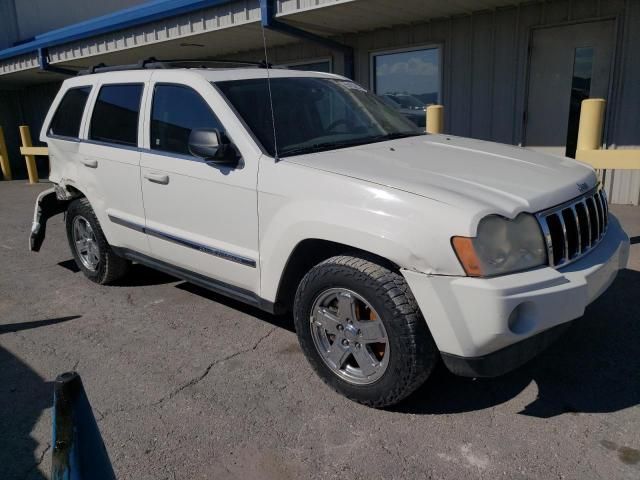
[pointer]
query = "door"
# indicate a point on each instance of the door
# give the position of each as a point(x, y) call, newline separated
point(109, 161)
point(568, 64)
point(199, 217)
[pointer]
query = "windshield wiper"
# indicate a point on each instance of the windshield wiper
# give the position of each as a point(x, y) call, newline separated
point(396, 135)
point(322, 147)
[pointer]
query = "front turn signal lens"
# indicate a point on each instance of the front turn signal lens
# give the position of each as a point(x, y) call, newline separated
point(463, 246)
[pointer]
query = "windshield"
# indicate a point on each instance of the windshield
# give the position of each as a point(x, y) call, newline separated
point(314, 114)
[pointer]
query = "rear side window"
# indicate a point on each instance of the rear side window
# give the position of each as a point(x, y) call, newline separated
point(66, 120)
point(115, 115)
point(176, 111)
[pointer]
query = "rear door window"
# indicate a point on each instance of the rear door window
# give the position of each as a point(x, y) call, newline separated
point(66, 120)
point(115, 114)
point(176, 111)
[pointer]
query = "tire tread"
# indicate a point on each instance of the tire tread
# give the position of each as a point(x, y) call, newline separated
point(421, 354)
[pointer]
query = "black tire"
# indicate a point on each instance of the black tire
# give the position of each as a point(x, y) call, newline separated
point(110, 266)
point(413, 353)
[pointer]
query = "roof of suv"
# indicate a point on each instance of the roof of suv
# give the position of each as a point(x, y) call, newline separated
point(221, 74)
point(213, 74)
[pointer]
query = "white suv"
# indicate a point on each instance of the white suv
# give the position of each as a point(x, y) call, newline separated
point(303, 192)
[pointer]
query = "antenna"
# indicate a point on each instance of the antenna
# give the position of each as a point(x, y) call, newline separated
point(268, 67)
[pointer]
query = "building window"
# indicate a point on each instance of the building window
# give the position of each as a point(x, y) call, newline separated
point(66, 121)
point(115, 115)
point(314, 66)
point(408, 80)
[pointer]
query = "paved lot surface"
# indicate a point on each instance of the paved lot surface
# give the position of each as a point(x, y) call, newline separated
point(188, 385)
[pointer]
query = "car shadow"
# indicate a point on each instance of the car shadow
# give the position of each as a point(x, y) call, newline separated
point(138, 275)
point(18, 327)
point(281, 321)
point(142, 276)
point(592, 368)
point(70, 265)
point(24, 395)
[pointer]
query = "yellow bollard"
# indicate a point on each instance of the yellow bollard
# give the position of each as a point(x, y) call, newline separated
point(435, 119)
point(5, 165)
point(25, 137)
point(591, 123)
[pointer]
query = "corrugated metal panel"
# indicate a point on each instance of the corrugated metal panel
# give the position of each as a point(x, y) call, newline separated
point(485, 55)
point(24, 62)
point(39, 16)
point(25, 107)
point(485, 62)
point(624, 186)
point(285, 7)
point(9, 31)
point(209, 20)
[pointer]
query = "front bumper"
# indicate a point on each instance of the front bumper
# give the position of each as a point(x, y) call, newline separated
point(488, 326)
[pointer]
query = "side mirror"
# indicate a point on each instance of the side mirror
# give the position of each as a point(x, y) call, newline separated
point(213, 147)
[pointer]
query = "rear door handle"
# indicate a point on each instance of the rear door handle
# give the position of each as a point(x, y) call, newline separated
point(89, 162)
point(157, 178)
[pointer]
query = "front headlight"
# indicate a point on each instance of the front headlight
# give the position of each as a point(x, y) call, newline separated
point(502, 246)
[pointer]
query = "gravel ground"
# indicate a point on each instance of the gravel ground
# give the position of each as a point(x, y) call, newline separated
point(186, 384)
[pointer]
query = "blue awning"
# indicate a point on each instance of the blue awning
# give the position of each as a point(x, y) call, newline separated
point(129, 17)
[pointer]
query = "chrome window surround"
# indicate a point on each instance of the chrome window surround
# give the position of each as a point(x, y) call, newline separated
point(574, 228)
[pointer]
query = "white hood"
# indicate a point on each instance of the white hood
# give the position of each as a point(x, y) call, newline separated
point(462, 172)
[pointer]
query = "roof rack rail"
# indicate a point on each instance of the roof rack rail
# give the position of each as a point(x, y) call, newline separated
point(154, 63)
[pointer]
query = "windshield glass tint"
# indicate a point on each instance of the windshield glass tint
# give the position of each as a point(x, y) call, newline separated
point(314, 114)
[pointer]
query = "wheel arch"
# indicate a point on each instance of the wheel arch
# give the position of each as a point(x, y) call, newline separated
point(310, 252)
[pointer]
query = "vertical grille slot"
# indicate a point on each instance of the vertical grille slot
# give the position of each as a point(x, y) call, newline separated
point(575, 227)
point(584, 228)
point(593, 219)
point(557, 238)
point(605, 207)
point(598, 202)
point(571, 231)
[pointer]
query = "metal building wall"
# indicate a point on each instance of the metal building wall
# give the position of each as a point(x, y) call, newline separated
point(485, 70)
point(9, 29)
point(38, 16)
point(624, 186)
point(28, 106)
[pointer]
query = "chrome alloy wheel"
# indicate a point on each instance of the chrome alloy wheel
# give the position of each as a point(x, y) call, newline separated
point(85, 243)
point(349, 336)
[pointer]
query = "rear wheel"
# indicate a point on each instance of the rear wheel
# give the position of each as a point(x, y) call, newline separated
point(90, 249)
point(362, 331)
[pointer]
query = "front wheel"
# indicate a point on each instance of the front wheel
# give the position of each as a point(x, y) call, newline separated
point(362, 331)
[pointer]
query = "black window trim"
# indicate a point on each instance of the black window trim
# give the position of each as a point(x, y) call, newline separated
point(415, 48)
point(93, 107)
point(84, 110)
point(167, 153)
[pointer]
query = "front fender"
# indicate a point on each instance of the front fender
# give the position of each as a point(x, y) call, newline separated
point(411, 231)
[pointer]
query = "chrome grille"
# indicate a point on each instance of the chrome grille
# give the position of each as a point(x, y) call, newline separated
point(573, 228)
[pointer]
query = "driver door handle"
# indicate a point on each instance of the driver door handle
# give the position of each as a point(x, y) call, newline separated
point(157, 178)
